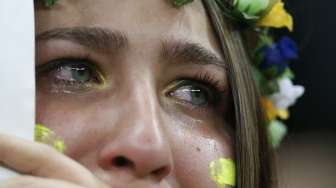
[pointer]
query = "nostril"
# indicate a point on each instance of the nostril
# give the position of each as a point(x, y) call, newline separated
point(121, 161)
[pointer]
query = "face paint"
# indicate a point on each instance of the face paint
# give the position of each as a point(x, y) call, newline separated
point(223, 172)
point(47, 136)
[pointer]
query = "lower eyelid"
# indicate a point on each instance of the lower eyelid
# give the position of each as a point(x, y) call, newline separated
point(199, 110)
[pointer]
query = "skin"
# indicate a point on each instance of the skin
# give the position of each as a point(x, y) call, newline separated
point(165, 141)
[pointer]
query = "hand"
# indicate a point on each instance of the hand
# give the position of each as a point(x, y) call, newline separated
point(42, 166)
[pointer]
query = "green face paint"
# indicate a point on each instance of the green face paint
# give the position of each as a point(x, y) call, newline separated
point(47, 136)
point(223, 172)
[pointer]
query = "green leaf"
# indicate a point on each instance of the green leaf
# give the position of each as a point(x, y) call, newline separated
point(250, 9)
point(180, 3)
point(265, 86)
point(264, 41)
point(258, 56)
point(288, 73)
point(270, 87)
point(49, 3)
point(258, 77)
point(271, 72)
point(276, 132)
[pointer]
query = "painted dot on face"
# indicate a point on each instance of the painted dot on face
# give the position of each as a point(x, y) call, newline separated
point(47, 136)
point(223, 172)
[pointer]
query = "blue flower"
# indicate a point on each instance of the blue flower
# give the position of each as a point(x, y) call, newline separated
point(288, 48)
point(279, 54)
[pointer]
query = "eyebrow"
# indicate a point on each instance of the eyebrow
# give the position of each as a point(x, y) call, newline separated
point(103, 39)
point(190, 52)
point(95, 38)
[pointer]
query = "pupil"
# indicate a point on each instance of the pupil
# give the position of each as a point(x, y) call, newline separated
point(197, 93)
point(81, 74)
point(198, 96)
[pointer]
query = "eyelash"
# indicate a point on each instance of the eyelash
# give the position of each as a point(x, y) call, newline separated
point(208, 81)
point(97, 81)
point(202, 78)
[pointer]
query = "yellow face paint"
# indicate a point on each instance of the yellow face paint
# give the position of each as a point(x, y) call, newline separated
point(47, 136)
point(223, 172)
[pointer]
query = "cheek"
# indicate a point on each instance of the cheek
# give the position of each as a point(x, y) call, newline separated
point(72, 121)
point(192, 156)
point(194, 147)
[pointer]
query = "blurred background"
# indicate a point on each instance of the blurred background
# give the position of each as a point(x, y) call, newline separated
point(307, 156)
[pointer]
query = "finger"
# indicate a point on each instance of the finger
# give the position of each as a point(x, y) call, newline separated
point(37, 159)
point(36, 182)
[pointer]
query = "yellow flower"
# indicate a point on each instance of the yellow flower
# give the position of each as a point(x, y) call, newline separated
point(277, 17)
point(271, 112)
point(283, 114)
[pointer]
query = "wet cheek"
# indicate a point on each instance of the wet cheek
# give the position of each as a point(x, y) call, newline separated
point(70, 122)
point(193, 160)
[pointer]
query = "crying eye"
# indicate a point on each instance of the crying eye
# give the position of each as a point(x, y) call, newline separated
point(70, 75)
point(75, 73)
point(193, 93)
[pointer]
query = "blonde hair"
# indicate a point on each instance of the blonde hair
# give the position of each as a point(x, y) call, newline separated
point(253, 154)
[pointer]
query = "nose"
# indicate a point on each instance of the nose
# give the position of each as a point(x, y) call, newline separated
point(138, 146)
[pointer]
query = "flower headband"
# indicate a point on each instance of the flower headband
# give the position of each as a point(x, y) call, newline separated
point(271, 58)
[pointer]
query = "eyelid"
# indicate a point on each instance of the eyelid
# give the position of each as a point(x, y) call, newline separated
point(53, 64)
point(47, 68)
point(203, 79)
point(50, 65)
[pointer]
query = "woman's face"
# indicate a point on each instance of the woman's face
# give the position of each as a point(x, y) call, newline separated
point(137, 90)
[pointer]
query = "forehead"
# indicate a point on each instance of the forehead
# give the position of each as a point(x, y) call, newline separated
point(149, 19)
